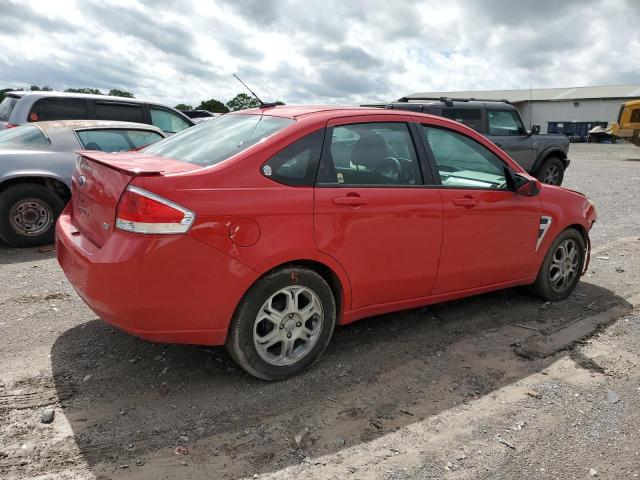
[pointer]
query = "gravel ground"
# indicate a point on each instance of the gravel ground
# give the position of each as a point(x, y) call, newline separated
point(495, 386)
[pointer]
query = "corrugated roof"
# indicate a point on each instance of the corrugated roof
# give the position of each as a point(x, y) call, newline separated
point(571, 93)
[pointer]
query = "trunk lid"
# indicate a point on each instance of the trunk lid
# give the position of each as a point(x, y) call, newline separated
point(99, 181)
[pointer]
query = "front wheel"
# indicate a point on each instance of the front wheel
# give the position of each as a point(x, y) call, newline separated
point(28, 214)
point(561, 268)
point(551, 172)
point(283, 324)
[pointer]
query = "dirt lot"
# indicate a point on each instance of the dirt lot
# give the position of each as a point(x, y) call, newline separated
point(496, 386)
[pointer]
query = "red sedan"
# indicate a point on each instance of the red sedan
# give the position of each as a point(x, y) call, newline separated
point(263, 229)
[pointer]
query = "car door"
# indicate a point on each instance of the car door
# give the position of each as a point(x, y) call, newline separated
point(505, 129)
point(490, 232)
point(375, 211)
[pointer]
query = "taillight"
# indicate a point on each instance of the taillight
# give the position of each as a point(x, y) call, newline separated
point(141, 211)
point(10, 125)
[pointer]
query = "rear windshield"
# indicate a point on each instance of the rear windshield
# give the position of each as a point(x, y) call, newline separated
point(23, 135)
point(212, 142)
point(6, 106)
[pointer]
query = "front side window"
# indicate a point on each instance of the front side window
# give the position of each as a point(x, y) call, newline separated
point(58, 109)
point(470, 117)
point(212, 142)
point(297, 164)
point(635, 116)
point(504, 122)
point(463, 162)
point(116, 140)
point(24, 135)
point(370, 154)
point(119, 111)
point(167, 121)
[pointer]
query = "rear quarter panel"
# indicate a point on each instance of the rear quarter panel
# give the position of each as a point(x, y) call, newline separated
point(36, 163)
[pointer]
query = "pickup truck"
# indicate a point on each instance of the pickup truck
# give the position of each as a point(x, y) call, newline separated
point(544, 156)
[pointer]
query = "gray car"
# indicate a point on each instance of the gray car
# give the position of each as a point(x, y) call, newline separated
point(21, 107)
point(544, 156)
point(36, 164)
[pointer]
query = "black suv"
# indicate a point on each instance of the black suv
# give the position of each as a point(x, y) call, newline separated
point(544, 156)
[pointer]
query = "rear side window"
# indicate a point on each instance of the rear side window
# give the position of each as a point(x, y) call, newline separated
point(58, 109)
point(467, 116)
point(297, 164)
point(124, 112)
point(167, 121)
point(6, 107)
point(24, 135)
point(116, 140)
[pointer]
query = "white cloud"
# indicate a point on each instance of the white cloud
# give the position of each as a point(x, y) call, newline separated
point(327, 51)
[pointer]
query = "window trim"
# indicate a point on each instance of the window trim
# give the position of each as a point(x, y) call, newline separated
point(423, 169)
point(434, 164)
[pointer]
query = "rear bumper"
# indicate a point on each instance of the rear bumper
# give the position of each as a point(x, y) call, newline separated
point(170, 289)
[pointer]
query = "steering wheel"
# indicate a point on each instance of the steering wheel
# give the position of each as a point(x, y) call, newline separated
point(391, 169)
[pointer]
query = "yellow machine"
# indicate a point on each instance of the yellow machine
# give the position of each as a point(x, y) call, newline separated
point(628, 124)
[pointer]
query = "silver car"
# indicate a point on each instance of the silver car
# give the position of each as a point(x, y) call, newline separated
point(36, 164)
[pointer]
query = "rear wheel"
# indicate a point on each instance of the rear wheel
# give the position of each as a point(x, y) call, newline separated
point(551, 171)
point(562, 267)
point(283, 324)
point(28, 213)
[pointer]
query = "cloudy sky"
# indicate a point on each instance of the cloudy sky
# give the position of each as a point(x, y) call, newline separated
point(328, 51)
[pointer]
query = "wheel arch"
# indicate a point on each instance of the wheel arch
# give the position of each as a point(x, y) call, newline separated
point(55, 184)
point(337, 281)
point(550, 152)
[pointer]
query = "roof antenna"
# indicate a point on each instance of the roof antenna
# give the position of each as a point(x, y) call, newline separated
point(262, 104)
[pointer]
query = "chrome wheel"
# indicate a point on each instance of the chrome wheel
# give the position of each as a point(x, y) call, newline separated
point(552, 175)
point(31, 217)
point(288, 325)
point(564, 265)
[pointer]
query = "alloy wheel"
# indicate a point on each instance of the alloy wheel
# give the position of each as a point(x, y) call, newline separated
point(564, 265)
point(288, 325)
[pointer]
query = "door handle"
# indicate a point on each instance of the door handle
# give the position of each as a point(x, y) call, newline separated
point(465, 202)
point(350, 200)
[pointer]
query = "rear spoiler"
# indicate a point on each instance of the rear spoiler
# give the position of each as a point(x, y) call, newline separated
point(136, 163)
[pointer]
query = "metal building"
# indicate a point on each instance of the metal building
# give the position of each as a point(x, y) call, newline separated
point(557, 105)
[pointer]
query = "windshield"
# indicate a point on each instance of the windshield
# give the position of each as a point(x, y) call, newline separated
point(24, 135)
point(6, 106)
point(212, 142)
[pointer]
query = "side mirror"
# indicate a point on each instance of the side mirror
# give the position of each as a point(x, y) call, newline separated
point(526, 186)
point(535, 129)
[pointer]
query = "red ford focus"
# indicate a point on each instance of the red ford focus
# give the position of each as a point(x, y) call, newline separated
point(263, 229)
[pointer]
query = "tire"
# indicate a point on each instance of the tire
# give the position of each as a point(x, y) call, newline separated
point(28, 214)
point(268, 313)
point(551, 171)
point(544, 286)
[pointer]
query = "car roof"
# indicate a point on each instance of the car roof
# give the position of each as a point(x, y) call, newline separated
point(87, 124)
point(57, 94)
point(456, 103)
point(328, 111)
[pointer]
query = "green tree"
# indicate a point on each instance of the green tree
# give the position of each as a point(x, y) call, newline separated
point(242, 101)
point(213, 105)
point(3, 91)
point(92, 91)
point(183, 106)
point(120, 93)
